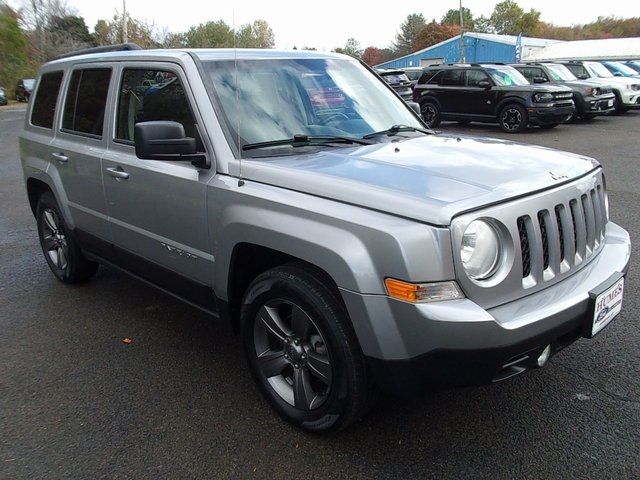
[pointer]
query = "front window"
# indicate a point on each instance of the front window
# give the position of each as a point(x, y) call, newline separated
point(277, 99)
point(598, 70)
point(507, 76)
point(560, 73)
point(413, 75)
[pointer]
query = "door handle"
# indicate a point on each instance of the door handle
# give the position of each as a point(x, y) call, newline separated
point(60, 157)
point(117, 173)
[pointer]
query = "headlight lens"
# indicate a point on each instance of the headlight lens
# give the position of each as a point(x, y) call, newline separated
point(480, 250)
point(543, 97)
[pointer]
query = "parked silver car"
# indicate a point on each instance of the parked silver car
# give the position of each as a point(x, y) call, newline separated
point(347, 244)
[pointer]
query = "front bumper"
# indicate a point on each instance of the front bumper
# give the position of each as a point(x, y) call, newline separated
point(408, 346)
point(599, 105)
point(549, 115)
point(630, 98)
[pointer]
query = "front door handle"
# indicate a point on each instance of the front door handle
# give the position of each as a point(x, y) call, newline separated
point(117, 173)
point(60, 157)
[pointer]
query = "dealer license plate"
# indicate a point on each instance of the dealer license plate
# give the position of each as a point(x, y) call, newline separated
point(607, 305)
point(610, 103)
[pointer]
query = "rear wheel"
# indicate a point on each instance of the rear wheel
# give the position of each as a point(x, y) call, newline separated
point(302, 350)
point(430, 114)
point(513, 118)
point(62, 253)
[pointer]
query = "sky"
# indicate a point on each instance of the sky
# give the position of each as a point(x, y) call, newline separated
point(327, 24)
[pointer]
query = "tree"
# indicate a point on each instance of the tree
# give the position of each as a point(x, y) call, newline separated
point(109, 32)
point(36, 18)
point(352, 47)
point(256, 35)
point(508, 18)
point(374, 56)
point(482, 24)
point(13, 50)
point(403, 44)
point(71, 25)
point(209, 35)
point(452, 17)
point(433, 33)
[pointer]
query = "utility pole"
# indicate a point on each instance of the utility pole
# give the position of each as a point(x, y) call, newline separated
point(462, 59)
point(125, 33)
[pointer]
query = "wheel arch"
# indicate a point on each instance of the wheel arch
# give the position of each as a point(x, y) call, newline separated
point(508, 101)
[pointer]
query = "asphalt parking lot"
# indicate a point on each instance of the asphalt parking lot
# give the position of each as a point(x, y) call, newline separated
point(178, 402)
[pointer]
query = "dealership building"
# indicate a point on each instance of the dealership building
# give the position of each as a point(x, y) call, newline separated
point(478, 48)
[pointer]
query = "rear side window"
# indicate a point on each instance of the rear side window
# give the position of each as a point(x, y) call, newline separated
point(453, 78)
point(44, 105)
point(86, 101)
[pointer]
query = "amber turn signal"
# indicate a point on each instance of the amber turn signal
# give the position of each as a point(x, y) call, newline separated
point(422, 292)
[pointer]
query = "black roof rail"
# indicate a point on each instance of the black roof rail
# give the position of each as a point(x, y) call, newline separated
point(121, 47)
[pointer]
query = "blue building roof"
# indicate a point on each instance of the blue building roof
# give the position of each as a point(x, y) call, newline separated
point(479, 48)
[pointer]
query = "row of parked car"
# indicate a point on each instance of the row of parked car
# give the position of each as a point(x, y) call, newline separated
point(23, 90)
point(518, 96)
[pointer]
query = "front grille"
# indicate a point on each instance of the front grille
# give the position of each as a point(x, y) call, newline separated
point(561, 237)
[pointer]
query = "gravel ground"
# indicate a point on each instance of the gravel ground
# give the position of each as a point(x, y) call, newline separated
point(178, 402)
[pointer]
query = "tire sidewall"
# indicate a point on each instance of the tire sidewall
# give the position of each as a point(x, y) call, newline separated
point(436, 111)
point(330, 412)
point(523, 114)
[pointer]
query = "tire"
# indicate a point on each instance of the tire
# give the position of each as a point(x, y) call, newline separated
point(311, 372)
point(430, 114)
point(549, 126)
point(62, 253)
point(513, 118)
point(618, 105)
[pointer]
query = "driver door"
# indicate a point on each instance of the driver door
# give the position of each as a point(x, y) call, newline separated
point(157, 209)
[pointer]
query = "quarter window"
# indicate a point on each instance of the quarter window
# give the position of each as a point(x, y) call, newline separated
point(152, 95)
point(86, 101)
point(44, 105)
point(453, 78)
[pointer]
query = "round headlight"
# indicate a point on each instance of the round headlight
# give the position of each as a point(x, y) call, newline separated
point(480, 250)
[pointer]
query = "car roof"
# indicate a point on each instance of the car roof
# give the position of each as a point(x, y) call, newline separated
point(204, 54)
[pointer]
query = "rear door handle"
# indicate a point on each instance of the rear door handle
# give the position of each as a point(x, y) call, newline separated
point(117, 173)
point(60, 157)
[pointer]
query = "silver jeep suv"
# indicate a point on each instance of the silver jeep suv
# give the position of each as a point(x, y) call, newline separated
point(296, 196)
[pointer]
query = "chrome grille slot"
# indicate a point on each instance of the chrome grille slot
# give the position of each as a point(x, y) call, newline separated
point(544, 238)
point(560, 222)
point(524, 247)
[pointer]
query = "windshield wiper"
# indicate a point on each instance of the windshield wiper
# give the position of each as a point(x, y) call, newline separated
point(305, 140)
point(394, 130)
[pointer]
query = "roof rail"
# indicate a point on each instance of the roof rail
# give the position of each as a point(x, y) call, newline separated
point(121, 47)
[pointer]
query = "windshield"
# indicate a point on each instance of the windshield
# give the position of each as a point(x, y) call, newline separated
point(507, 76)
point(622, 68)
point(560, 73)
point(634, 64)
point(598, 70)
point(278, 99)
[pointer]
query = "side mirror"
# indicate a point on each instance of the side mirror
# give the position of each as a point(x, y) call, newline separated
point(162, 140)
point(484, 84)
point(539, 80)
point(617, 74)
point(583, 76)
point(415, 107)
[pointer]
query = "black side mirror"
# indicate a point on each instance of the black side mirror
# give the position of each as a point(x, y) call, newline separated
point(539, 80)
point(415, 107)
point(617, 74)
point(583, 76)
point(486, 84)
point(161, 140)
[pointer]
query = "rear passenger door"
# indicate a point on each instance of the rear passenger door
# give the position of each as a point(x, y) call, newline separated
point(78, 146)
point(451, 94)
point(157, 209)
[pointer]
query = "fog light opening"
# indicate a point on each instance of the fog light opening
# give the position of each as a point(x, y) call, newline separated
point(544, 356)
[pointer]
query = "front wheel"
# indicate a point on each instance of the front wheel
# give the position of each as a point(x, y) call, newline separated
point(513, 119)
point(430, 114)
point(302, 350)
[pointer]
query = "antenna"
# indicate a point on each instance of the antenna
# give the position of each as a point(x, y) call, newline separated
point(235, 66)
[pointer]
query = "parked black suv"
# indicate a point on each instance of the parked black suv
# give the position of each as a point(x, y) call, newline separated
point(399, 81)
point(490, 93)
point(24, 87)
point(591, 98)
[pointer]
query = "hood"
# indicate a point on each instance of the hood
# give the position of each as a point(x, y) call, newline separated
point(427, 178)
point(618, 81)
